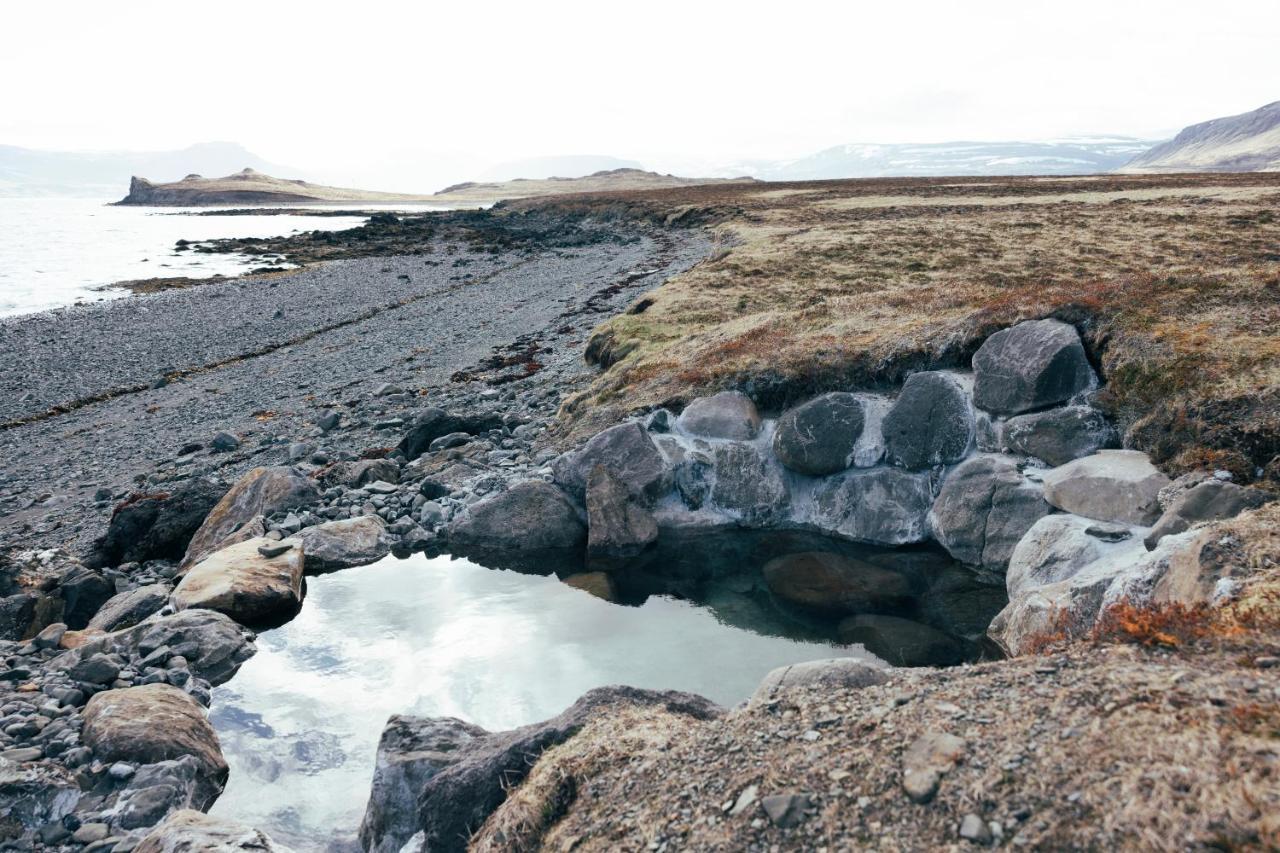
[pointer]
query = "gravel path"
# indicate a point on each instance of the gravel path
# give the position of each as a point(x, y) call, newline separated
point(84, 410)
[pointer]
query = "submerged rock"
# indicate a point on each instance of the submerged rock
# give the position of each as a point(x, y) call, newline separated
point(820, 437)
point(901, 642)
point(245, 583)
point(835, 583)
point(931, 423)
point(617, 526)
point(729, 414)
point(885, 506)
point(531, 515)
point(628, 453)
point(1059, 435)
point(342, 544)
point(190, 831)
point(1029, 366)
point(984, 508)
point(1110, 485)
point(1211, 500)
point(260, 492)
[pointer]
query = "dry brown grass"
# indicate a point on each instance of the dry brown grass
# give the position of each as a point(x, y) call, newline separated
point(1173, 280)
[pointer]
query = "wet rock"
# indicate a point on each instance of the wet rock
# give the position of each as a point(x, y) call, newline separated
point(1059, 435)
point(901, 642)
point(627, 452)
point(410, 752)
point(155, 722)
point(215, 645)
point(729, 414)
point(262, 491)
point(820, 437)
point(157, 526)
point(617, 526)
point(835, 583)
point(785, 810)
point(33, 795)
point(984, 508)
point(886, 506)
point(1211, 500)
point(531, 515)
point(926, 761)
point(156, 789)
point(748, 484)
point(342, 544)
point(931, 423)
point(433, 423)
point(361, 472)
point(1110, 485)
point(129, 608)
point(190, 831)
point(1030, 366)
point(242, 583)
point(834, 674)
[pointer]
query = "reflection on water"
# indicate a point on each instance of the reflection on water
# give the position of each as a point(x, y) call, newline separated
point(438, 636)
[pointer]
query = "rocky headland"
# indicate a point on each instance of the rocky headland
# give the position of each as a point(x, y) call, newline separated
point(1063, 492)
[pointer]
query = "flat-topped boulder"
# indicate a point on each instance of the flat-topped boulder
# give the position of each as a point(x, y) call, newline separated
point(1029, 366)
point(1059, 435)
point(1111, 485)
point(984, 508)
point(820, 437)
point(257, 582)
point(931, 423)
point(729, 414)
point(260, 492)
point(191, 831)
point(342, 544)
point(532, 515)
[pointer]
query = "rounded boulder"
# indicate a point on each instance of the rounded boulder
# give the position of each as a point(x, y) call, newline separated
point(819, 437)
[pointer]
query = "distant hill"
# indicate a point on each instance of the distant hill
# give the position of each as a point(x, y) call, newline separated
point(613, 179)
point(904, 160)
point(564, 166)
point(248, 186)
point(29, 172)
point(1249, 142)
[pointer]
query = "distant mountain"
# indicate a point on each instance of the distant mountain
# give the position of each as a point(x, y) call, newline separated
point(1249, 142)
point(29, 172)
point(564, 166)
point(248, 186)
point(1063, 157)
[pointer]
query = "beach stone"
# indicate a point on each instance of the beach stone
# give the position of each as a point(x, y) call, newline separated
point(729, 414)
point(901, 642)
point(410, 752)
point(531, 515)
point(1211, 500)
point(617, 526)
point(885, 506)
point(215, 645)
point(785, 810)
point(156, 526)
point(835, 583)
point(361, 472)
point(151, 723)
point(931, 422)
point(95, 669)
point(930, 757)
point(833, 674)
point(434, 422)
point(1059, 435)
point(819, 437)
point(50, 636)
point(984, 508)
point(129, 608)
point(974, 828)
point(224, 442)
point(260, 492)
point(34, 795)
point(190, 831)
point(1111, 485)
point(240, 582)
point(748, 484)
point(343, 544)
point(1029, 366)
point(628, 453)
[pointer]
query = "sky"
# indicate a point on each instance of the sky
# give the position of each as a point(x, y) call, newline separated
point(342, 87)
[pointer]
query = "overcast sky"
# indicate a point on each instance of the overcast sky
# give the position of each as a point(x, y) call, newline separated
point(331, 85)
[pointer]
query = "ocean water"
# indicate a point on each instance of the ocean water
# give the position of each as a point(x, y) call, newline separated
point(58, 251)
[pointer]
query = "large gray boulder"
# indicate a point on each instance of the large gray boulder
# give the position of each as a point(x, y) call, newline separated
point(835, 583)
point(158, 525)
point(748, 484)
point(155, 722)
point(155, 790)
point(729, 414)
point(531, 515)
point(1059, 435)
point(617, 526)
point(1111, 485)
point(410, 751)
point(190, 831)
point(1059, 546)
point(628, 453)
point(820, 437)
point(931, 423)
point(1030, 366)
point(260, 492)
point(832, 674)
point(901, 642)
point(257, 582)
point(35, 794)
point(129, 608)
point(984, 508)
point(214, 645)
point(433, 423)
point(1212, 500)
point(342, 544)
point(885, 506)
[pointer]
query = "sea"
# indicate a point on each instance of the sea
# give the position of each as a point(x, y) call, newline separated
point(56, 252)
